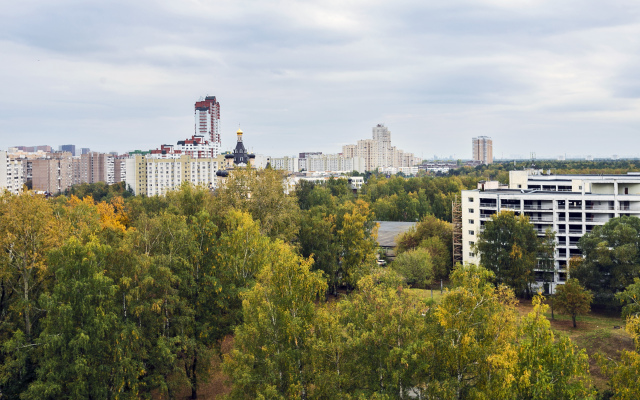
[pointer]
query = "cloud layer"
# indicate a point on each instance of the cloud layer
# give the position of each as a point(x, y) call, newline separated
point(538, 76)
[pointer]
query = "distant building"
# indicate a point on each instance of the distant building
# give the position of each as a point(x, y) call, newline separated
point(12, 173)
point(378, 151)
point(85, 150)
point(483, 149)
point(156, 176)
point(239, 158)
point(207, 120)
point(285, 163)
point(52, 175)
point(69, 148)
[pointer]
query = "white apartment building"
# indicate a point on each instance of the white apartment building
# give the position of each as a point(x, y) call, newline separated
point(334, 163)
point(285, 163)
point(12, 173)
point(156, 176)
point(571, 205)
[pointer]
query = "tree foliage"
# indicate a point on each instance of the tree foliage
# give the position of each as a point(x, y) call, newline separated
point(611, 258)
point(573, 299)
point(508, 246)
point(415, 266)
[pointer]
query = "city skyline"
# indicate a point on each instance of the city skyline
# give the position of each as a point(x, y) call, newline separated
point(538, 77)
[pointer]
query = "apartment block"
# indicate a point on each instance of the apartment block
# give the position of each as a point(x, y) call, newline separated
point(482, 147)
point(378, 152)
point(570, 205)
point(12, 173)
point(286, 163)
point(52, 175)
point(154, 176)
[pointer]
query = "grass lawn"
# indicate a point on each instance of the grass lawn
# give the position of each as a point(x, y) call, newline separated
point(426, 294)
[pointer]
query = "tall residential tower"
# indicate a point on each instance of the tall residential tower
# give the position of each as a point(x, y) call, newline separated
point(483, 149)
point(207, 119)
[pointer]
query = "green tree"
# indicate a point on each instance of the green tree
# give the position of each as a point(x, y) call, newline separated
point(549, 368)
point(471, 353)
point(415, 266)
point(29, 229)
point(434, 235)
point(573, 299)
point(271, 348)
point(508, 246)
point(369, 352)
point(87, 351)
point(261, 194)
point(611, 258)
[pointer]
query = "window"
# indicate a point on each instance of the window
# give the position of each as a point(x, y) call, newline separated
point(471, 254)
point(519, 186)
point(471, 233)
point(471, 243)
point(470, 199)
point(471, 210)
point(471, 221)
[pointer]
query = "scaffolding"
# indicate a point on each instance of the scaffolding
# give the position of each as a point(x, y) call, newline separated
point(456, 219)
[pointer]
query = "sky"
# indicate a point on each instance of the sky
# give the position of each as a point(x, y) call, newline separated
point(542, 78)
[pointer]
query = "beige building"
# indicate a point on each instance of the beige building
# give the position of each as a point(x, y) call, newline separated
point(157, 176)
point(483, 149)
point(53, 175)
point(378, 151)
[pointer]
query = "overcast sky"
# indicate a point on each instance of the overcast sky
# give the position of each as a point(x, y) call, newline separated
point(549, 77)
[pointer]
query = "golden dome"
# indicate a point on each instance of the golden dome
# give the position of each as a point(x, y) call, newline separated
point(239, 132)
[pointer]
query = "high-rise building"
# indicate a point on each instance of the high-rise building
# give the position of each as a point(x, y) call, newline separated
point(71, 148)
point(379, 153)
point(53, 175)
point(483, 149)
point(207, 119)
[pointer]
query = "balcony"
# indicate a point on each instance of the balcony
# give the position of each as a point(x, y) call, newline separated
point(488, 205)
point(536, 207)
point(540, 219)
point(511, 206)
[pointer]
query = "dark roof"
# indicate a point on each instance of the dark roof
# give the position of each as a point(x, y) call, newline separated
point(388, 231)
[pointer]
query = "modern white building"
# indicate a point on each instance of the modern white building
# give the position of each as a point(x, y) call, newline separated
point(571, 205)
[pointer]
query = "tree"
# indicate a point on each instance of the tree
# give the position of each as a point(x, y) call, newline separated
point(611, 258)
point(87, 351)
point(261, 194)
point(435, 236)
point(471, 351)
point(29, 229)
point(271, 348)
point(508, 246)
point(573, 299)
point(415, 266)
point(548, 368)
point(368, 351)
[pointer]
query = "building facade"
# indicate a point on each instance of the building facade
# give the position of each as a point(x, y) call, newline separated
point(569, 205)
point(378, 152)
point(207, 120)
point(156, 176)
point(483, 149)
